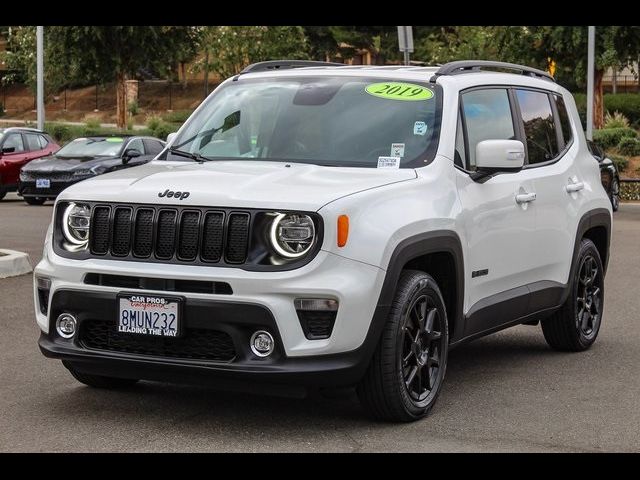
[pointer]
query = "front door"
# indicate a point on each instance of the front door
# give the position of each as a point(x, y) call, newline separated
point(498, 219)
point(14, 156)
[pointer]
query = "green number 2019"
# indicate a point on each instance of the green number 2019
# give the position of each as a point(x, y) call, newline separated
point(399, 91)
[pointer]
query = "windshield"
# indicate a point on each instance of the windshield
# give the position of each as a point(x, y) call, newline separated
point(92, 147)
point(335, 121)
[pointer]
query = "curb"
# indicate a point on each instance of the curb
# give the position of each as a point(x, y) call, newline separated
point(14, 263)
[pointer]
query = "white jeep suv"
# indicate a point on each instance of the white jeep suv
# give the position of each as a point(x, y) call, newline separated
point(317, 225)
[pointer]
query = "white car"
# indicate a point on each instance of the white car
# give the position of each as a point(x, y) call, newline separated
point(314, 225)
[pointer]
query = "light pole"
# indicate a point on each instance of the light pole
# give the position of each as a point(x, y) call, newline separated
point(40, 76)
point(591, 39)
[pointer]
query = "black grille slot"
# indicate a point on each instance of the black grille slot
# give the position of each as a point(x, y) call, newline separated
point(166, 235)
point(143, 233)
point(121, 242)
point(196, 343)
point(165, 284)
point(237, 237)
point(189, 233)
point(100, 230)
point(212, 237)
point(316, 324)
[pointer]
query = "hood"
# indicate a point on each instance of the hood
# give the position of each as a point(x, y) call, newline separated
point(55, 164)
point(242, 184)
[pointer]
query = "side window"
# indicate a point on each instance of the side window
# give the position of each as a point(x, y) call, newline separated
point(565, 124)
point(136, 144)
point(43, 141)
point(14, 140)
point(153, 147)
point(460, 155)
point(33, 144)
point(539, 126)
point(487, 114)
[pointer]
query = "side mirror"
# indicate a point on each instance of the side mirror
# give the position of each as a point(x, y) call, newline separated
point(493, 156)
point(8, 149)
point(130, 153)
point(170, 137)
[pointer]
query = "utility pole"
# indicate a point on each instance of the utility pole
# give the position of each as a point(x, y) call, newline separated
point(40, 76)
point(405, 42)
point(590, 68)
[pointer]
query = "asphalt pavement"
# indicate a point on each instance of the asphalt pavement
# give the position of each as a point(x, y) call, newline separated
point(505, 392)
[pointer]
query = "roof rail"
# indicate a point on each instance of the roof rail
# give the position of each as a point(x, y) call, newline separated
point(469, 66)
point(286, 64)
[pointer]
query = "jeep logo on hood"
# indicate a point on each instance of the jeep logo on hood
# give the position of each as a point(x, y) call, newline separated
point(170, 194)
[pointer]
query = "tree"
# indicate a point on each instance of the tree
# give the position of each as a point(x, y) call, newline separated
point(229, 49)
point(380, 41)
point(445, 44)
point(616, 47)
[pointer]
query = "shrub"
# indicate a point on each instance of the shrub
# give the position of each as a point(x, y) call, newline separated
point(629, 146)
point(610, 137)
point(153, 122)
point(60, 132)
point(628, 104)
point(164, 129)
point(621, 162)
point(130, 124)
point(617, 120)
point(179, 116)
point(133, 107)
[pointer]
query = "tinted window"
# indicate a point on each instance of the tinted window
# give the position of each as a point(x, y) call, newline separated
point(14, 140)
point(564, 119)
point(539, 126)
point(487, 114)
point(32, 142)
point(136, 144)
point(43, 141)
point(153, 146)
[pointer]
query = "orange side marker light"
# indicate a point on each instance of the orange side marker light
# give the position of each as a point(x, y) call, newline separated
point(343, 230)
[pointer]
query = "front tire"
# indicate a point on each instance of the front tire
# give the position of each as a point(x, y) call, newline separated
point(575, 326)
point(405, 375)
point(99, 381)
point(615, 195)
point(35, 200)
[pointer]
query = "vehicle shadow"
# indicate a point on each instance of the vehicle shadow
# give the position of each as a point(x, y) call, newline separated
point(153, 402)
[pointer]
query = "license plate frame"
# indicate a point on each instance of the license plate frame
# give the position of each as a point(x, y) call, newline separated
point(43, 183)
point(150, 301)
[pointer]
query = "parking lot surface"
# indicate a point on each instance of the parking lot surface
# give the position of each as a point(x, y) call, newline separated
point(505, 392)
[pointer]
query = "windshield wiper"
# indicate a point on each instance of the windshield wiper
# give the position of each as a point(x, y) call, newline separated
point(193, 156)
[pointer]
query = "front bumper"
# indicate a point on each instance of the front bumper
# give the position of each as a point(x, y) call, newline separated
point(259, 300)
point(29, 189)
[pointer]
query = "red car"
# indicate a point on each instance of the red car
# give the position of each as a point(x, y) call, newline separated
point(18, 146)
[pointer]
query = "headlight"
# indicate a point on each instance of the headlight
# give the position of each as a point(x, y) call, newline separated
point(82, 173)
point(75, 223)
point(292, 235)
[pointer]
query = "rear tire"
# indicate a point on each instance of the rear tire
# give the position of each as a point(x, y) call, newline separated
point(3, 192)
point(575, 326)
point(99, 381)
point(35, 200)
point(405, 375)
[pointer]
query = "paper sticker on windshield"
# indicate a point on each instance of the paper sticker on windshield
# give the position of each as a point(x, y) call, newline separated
point(114, 139)
point(397, 149)
point(388, 162)
point(419, 128)
point(399, 91)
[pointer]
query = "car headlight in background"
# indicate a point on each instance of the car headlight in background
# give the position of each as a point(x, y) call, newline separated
point(82, 173)
point(75, 223)
point(292, 235)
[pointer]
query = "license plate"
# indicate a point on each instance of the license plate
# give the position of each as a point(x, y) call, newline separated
point(43, 183)
point(149, 315)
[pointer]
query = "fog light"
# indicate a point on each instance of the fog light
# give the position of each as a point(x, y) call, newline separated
point(262, 343)
point(66, 325)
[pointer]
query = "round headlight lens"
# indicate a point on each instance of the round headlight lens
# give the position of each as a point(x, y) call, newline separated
point(75, 223)
point(292, 234)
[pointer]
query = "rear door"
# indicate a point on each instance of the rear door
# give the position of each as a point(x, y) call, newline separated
point(551, 156)
point(13, 160)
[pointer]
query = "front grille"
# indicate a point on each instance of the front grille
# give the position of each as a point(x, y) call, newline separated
point(170, 234)
point(196, 343)
point(53, 176)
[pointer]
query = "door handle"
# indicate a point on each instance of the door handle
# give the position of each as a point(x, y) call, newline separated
point(575, 187)
point(525, 197)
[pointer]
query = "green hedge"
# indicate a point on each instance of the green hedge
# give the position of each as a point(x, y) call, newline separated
point(63, 133)
point(626, 103)
point(629, 146)
point(621, 162)
point(611, 137)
